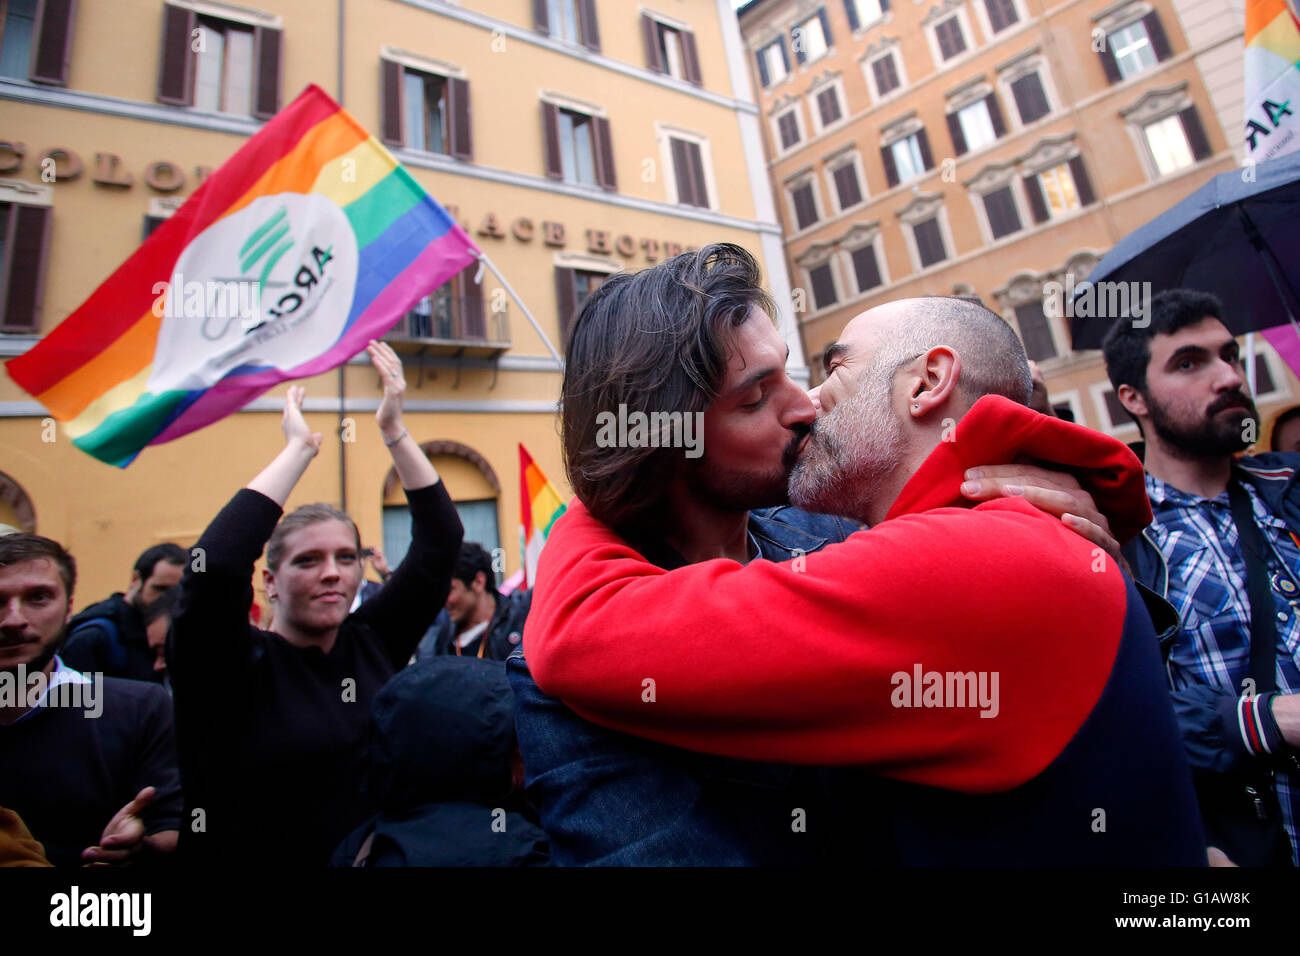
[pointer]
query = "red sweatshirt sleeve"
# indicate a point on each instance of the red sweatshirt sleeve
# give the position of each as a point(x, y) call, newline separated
point(811, 661)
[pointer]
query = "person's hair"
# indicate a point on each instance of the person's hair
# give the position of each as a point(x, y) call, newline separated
point(149, 558)
point(301, 518)
point(165, 606)
point(654, 341)
point(20, 547)
point(1127, 349)
point(993, 360)
point(1290, 415)
point(470, 560)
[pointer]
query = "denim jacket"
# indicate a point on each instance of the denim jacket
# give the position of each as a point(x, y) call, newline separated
point(608, 798)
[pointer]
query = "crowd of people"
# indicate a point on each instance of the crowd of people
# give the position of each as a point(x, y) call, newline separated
point(907, 618)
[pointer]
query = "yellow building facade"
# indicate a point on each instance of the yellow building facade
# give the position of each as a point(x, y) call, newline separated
point(571, 138)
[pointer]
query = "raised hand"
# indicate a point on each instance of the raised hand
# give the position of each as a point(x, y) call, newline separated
point(389, 367)
point(293, 423)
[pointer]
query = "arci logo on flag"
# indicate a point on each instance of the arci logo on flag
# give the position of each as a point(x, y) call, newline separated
point(1272, 79)
point(292, 261)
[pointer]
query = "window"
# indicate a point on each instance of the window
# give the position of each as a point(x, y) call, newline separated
point(24, 240)
point(573, 21)
point(866, 269)
point(16, 41)
point(812, 38)
point(929, 242)
point(948, 34)
point(452, 312)
point(1031, 100)
point(864, 12)
point(425, 110)
point(805, 205)
point(1059, 189)
point(670, 49)
point(773, 63)
point(578, 147)
point(1003, 217)
point(1264, 384)
point(976, 126)
point(1167, 141)
point(1117, 415)
point(828, 106)
point(1035, 331)
point(220, 65)
point(150, 224)
point(572, 287)
point(823, 286)
point(1133, 48)
point(689, 172)
point(1002, 14)
point(884, 75)
point(906, 158)
point(35, 40)
point(848, 187)
point(787, 125)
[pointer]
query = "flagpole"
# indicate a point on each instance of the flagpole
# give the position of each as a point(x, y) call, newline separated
point(485, 261)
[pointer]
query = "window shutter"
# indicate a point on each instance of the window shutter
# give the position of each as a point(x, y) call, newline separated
point(696, 156)
point(789, 127)
point(462, 143)
point(763, 76)
point(884, 6)
point(826, 27)
point(823, 286)
point(1195, 133)
point(1082, 184)
point(175, 62)
point(690, 57)
point(798, 47)
point(851, 10)
point(923, 143)
point(682, 173)
point(53, 44)
point(1035, 331)
point(604, 154)
point(391, 113)
point(472, 325)
point(865, 268)
point(541, 19)
point(28, 235)
point(1108, 63)
point(650, 39)
point(805, 210)
point(995, 115)
point(828, 104)
point(886, 75)
point(587, 23)
point(1037, 201)
point(1156, 34)
point(891, 168)
point(1031, 100)
point(150, 224)
point(846, 186)
point(1000, 207)
point(266, 99)
point(551, 138)
point(929, 244)
point(955, 131)
point(785, 54)
point(566, 301)
point(1002, 13)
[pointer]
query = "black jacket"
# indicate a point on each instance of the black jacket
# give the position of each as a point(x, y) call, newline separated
point(90, 646)
point(503, 634)
point(442, 738)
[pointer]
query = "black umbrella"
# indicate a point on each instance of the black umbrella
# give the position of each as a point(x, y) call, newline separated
point(1239, 240)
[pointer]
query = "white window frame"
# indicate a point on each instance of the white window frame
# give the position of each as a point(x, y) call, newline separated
point(988, 117)
point(664, 133)
point(1281, 389)
point(1026, 287)
point(225, 11)
point(860, 238)
point(762, 52)
point(780, 149)
point(986, 25)
point(1023, 65)
point(846, 157)
point(673, 24)
point(827, 259)
point(1072, 399)
point(1126, 430)
point(932, 37)
point(809, 60)
point(919, 210)
point(795, 182)
point(863, 23)
point(870, 74)
point(1116, 56)
point(991, 179)
point(1153, 106)
point(836, 84)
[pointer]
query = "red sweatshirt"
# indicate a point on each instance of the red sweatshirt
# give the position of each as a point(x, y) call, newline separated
point(808, 661)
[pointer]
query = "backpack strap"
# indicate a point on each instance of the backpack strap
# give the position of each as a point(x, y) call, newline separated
point(116, 651)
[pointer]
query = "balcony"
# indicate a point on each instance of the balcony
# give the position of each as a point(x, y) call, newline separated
point(457, 326)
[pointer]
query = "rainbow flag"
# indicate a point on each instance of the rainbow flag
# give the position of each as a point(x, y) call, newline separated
point(541, 507)
point(310, 241)
point(1272, 79)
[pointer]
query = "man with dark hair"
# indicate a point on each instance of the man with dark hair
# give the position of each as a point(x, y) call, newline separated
point(89, 763)
point(692, 336)
point(1182, 380)
point(477, 620)
point(109, 637)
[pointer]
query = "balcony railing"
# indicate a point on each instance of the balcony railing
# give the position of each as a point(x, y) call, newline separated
point(454, 325)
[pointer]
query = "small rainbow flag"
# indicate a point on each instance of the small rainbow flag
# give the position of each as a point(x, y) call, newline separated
point(541, 507)
point(1272, 79)
point(310, 241)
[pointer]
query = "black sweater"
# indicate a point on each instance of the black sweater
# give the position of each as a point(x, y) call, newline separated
point(271, 736)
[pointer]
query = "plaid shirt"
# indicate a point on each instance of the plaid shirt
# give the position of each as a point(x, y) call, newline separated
point(1207, 586)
